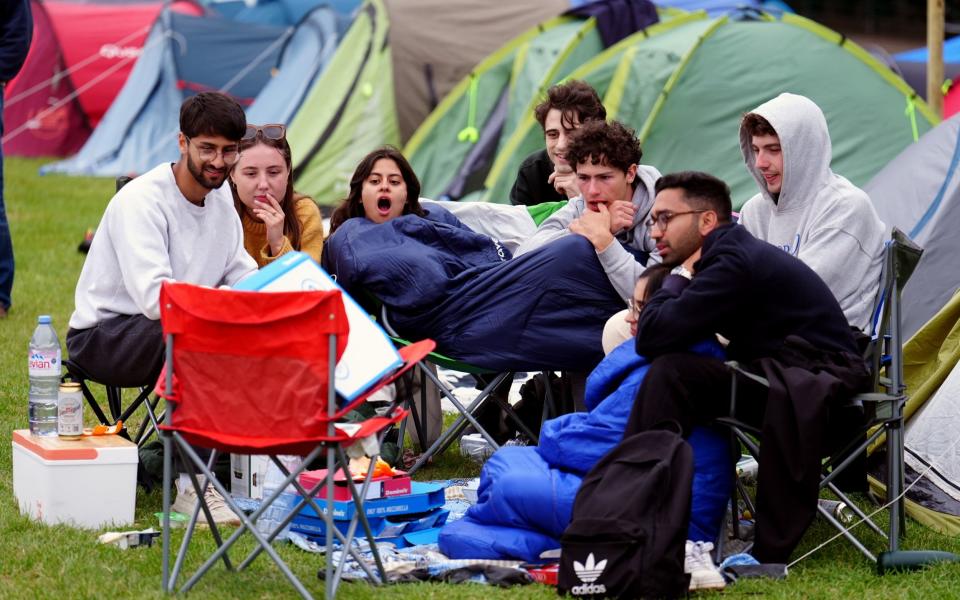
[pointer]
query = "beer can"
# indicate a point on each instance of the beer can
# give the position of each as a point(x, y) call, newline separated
point(70, 411)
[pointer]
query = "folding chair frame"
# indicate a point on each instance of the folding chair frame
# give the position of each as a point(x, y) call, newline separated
point(883, 410)
point(331, 445)
point(115, 403)
point(466, 413)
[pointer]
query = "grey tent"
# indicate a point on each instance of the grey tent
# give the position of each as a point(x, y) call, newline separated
point(919, 192)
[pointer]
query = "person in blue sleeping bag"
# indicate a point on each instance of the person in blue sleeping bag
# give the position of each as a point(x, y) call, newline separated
point(441, 280)
point(526, 494)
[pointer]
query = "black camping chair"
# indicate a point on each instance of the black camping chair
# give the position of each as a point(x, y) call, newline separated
point(882, 417)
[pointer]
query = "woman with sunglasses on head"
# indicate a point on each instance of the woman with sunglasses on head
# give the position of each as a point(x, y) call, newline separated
point(275, 218)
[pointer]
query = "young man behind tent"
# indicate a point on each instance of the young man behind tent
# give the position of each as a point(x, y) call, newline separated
point(16, 31)
point(782, 321)
point(547, 175)
point(806, 209)
point(611, 212)
point(176, 222)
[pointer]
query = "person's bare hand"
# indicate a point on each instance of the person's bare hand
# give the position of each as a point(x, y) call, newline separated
point(621, 215)
point(564, 180)
point(688, 264)
point(595, 226)
point(272, 215)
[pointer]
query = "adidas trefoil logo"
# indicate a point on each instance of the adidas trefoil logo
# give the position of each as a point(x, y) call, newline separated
point(588, 572)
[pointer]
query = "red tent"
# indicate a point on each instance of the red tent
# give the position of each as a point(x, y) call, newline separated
point(951, 102)
point(79, 60)
point(41, 117)
point(101, 43)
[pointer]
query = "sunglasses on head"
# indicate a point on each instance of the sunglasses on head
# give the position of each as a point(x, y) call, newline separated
point(271, 132)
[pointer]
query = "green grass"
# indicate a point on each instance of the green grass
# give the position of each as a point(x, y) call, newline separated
point(48, 217)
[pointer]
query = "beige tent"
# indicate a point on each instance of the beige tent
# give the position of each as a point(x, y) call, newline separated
point(394, 65)
point(436, 43)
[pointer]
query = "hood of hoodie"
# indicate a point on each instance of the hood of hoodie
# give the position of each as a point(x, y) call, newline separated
point(805, 144)
point(643, 196)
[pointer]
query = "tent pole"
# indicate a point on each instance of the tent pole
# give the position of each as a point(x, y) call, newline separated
point(935, 22)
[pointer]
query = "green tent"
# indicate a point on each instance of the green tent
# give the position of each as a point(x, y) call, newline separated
point(349, 110)
point(453, 148)
point(684, 85)
point(465, 128)
point(395, 63)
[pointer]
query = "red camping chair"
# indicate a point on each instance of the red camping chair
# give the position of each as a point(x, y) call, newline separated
point(253, 373)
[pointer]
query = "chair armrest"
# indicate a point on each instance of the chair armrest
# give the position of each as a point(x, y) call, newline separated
point(882, 406)
point(736, 368)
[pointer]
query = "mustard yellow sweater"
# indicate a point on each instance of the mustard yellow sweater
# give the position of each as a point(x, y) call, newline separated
point(311, 233)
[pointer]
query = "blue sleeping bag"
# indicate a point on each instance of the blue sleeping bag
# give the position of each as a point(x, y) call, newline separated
point(440, 280)
point(526, 494)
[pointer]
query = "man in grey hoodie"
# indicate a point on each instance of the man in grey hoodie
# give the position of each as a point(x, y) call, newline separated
point(612, 208)
point(805, 208)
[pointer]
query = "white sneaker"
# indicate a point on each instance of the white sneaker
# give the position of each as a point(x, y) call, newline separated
point(699, 564)
point(187, 500)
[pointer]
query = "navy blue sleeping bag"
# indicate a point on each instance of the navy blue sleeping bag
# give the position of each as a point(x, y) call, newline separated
point(526, 494)
point(440, 280)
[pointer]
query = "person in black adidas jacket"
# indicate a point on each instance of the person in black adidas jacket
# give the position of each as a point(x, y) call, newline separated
point(781, 320)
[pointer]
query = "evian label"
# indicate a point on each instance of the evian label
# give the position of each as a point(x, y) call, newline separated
point(114, 51)
point(588, 572)
point(45, 362)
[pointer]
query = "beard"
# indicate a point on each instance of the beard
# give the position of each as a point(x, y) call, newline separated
point(207, 181)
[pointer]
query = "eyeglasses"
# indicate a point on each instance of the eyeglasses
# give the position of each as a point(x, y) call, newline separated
point(230, 154)
point(663, 219)
point(273, 131)
point(635, 306)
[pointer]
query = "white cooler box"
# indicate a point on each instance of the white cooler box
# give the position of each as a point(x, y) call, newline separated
point(89, 482)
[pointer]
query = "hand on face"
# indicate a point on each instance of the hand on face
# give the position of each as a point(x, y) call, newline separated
point(564, 180)
point(622, 213)
point(269, 211)
point(260, 178)
point(595, 226)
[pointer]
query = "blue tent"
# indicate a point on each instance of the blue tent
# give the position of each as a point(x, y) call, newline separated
point(183, 55)
point(913, 64)
point(276, 12)
point(303, 60)
point(719, 7)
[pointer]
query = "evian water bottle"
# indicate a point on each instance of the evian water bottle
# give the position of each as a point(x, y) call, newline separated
point(44, 365)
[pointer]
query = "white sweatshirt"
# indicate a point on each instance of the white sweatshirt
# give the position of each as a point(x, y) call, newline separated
point(150, 233)
point(819, 217)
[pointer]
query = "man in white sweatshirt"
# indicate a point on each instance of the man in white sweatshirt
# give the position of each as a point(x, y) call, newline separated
point(805, 208)
point(175, 222)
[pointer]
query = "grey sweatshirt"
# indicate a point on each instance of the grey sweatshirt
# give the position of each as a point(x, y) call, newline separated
point(621, 267)
point(819, 217)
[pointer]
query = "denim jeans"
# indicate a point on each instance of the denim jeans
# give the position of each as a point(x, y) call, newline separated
point(6, 244)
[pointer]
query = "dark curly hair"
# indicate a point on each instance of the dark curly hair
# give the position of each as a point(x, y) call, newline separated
point(573, 99)
point(352, 205)
point(610, 143)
